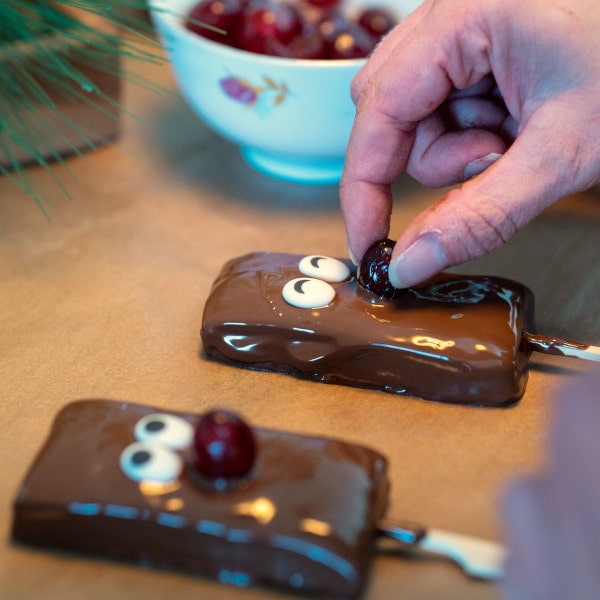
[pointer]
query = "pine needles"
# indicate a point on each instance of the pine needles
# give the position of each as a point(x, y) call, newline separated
point(51, 54)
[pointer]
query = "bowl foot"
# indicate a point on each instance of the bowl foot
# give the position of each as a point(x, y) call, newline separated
point(297, 169)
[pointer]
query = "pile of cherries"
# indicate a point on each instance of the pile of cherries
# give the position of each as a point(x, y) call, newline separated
point(304, 29)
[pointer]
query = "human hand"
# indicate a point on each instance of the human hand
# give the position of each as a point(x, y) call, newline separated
point(553, 519)
point(505, 88)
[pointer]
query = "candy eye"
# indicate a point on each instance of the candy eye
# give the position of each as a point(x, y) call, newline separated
point(306, 292)
point(143, 461)
point(168, 430)
point(324, 267)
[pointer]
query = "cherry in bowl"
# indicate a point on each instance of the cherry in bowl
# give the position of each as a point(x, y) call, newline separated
point(291, 28)
point(287, 108)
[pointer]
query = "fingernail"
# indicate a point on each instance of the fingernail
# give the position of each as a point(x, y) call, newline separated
point(424, 258)
point(479, 165)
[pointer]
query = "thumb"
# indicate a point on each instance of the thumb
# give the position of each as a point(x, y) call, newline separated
point(482, 214)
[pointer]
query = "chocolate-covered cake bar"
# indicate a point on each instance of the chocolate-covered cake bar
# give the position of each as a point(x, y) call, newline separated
point(132, 482)
point(456, 338)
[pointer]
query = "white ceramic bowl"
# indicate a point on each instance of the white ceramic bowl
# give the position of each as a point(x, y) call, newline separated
point(291, 118)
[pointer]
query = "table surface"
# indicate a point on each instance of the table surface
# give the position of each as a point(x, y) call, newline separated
point(104, 299)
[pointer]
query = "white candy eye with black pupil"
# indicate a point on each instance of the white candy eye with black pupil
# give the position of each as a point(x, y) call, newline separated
point(324, 267)
point(161, 428)
point(144, 461)
point(306, 292)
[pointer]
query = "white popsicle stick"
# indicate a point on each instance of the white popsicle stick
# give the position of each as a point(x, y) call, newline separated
point(589, 353)
point(477, 557)
point(549, 345)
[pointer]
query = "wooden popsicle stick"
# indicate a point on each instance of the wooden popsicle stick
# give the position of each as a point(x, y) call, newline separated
point(549, 345)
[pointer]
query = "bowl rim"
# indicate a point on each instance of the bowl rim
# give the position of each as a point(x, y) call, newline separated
point(174, 21)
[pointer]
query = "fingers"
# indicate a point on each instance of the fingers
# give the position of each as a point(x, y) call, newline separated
point(367, 217)
point(386, 47)
point(546, 162)
point(473, 111)
point(551, 520)
point(430, 153)
point(427, 103)
point(531, 540)
point(468, 126)
point(439, 156)
point(378, 150)
point(470, 221)
point(397, 94)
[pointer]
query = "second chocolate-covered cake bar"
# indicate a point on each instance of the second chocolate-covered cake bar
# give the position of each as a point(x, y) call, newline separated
point(131, 482)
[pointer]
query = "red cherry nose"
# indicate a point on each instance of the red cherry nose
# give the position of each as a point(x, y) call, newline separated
point(225, 446)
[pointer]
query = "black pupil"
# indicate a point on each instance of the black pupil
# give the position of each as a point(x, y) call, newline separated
point(140, 457)
point(314, 261)
point(298, 285)
point(154, 426)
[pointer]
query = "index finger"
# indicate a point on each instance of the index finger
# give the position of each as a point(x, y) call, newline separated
point(387, 44)
point(408, 85)
point(381, 140)
point(377, 153)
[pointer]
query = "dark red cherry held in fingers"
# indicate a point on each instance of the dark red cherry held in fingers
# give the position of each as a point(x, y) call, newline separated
point(225, 447)
point(373, 271)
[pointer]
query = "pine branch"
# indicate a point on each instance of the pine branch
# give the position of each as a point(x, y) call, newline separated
point(47, 49)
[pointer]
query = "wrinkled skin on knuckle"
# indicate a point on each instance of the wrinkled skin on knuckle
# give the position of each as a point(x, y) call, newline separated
point(582, 163)
point(481, 226)
point(356, 87)
point(373, 96)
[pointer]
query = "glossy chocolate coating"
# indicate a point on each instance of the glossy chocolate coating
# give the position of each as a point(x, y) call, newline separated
point(304, 519)
point(454, 339)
